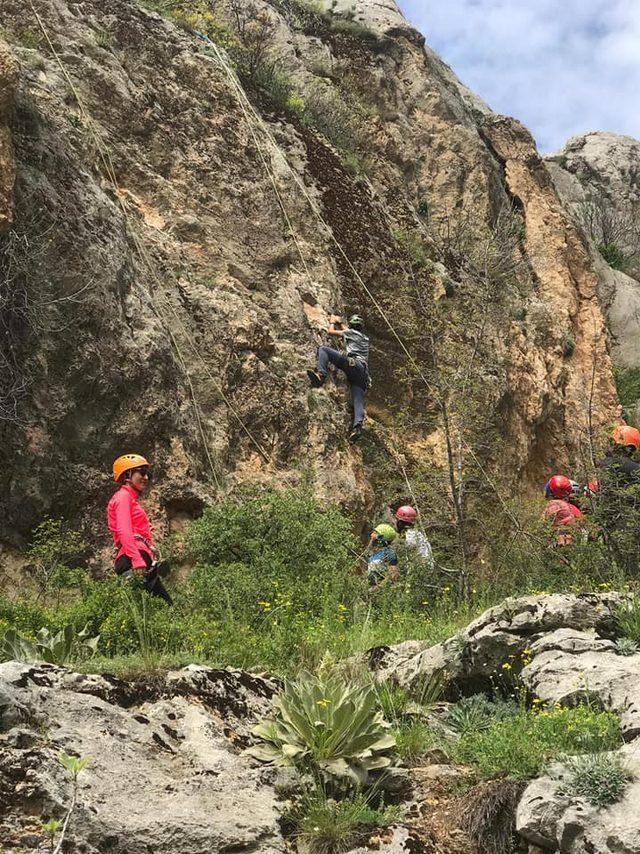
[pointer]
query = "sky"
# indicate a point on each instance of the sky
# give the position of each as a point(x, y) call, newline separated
point(561, 67)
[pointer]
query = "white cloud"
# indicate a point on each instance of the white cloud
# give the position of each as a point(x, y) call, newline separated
point(561, 68)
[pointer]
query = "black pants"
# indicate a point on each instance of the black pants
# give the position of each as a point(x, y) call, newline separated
point(151, 581)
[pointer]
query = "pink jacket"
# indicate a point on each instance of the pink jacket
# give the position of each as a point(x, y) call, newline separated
point(129, 526)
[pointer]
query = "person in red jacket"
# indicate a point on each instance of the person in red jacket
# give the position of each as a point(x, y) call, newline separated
point(129, 525)
point(562, 514)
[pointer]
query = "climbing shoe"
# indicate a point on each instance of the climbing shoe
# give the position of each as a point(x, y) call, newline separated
point(315, 378)
point(356, 433)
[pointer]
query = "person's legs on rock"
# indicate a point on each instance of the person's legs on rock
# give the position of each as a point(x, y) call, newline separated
point(326, 356)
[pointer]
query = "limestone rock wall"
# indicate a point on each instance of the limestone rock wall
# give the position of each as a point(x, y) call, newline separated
point(172, 303)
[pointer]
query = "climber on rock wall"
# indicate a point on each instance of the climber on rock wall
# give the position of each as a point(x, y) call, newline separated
point(560, 510)
point(355, 365)
point(130, 529)
point(382, 565)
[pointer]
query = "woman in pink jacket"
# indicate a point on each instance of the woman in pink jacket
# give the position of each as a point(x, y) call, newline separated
point(129, 525)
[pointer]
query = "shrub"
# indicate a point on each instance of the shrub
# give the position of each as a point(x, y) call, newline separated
point(626, 646)
point(393, 701)
point(273, 566)
point(568, 345)
point(339, 118)
point(600, 778)
point(477, 713)
point(413, 740)
point(53, 548)
point(423, 208)
point(520, 745)
point(327, 726)
point(326, 826)
point(628, 385)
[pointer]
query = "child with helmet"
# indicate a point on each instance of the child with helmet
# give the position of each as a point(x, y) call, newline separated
point(563, 514)
point(416, 541)
point(382, 565)
point(130, 528)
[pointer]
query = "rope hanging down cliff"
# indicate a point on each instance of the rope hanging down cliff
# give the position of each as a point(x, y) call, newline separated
point(148, 261)
point(254, 118)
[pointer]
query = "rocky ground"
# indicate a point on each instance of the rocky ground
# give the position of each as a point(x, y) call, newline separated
point(167, 771)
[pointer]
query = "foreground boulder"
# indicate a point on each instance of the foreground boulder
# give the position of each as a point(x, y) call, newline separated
point(572, 666)
point(166, 773)
point(500, 636)
point(553, 820)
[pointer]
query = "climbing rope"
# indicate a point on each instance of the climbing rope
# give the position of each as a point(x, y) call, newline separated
point(250, 113)
point(146, 258)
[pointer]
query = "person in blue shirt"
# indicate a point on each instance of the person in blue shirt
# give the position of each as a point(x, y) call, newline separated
point(355, 364)
point(382, 565)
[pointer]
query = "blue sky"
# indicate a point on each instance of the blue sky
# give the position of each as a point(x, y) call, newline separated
point(560, 66)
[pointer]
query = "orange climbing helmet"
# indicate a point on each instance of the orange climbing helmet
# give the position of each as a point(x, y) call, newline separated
point(627, 436)
point(127, 462)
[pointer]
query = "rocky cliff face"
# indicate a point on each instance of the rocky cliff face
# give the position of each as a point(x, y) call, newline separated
point(167, 252)
point(597, 175)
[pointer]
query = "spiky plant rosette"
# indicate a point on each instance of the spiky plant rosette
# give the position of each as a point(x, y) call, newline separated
point(327, 726)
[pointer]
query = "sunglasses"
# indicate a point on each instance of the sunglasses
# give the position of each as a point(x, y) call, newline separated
point(144, 471)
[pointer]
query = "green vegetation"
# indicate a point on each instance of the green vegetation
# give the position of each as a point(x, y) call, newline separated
point(523, 743)
point(627, 619)
point(54, 550)
point(276, 583)
point(413, 740)
point(327, 826)
point(66, 645)
point(613, 255)
point(600, 778)
point(626, 646)
point(477, 713)
point(628, 386)
point(327, 726)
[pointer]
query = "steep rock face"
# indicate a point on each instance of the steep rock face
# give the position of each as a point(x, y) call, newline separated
point(597, 176)
point(172, 302)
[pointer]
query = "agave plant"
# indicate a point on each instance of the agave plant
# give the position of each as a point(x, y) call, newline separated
point(326, 725)
point(56, 648)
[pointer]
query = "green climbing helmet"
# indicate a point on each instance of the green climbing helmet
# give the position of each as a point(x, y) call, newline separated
point(356, 321)
point(386, 532)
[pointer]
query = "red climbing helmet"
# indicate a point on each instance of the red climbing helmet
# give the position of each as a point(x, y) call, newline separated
point(407, 514)
point(559, 486)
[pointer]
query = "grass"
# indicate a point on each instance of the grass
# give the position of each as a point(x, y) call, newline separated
point(274, 585)
point(413, 740)
point(323, 825)
point(627, 618)
point(522, 744)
